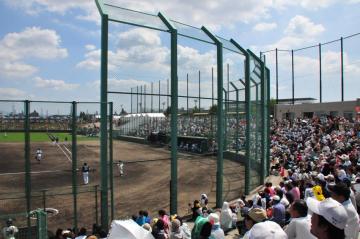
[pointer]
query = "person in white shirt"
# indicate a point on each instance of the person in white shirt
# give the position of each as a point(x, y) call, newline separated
point(341, 193)
point(82, 234)
point(299, 226)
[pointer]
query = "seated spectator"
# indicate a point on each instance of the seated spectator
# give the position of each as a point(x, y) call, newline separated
point(255, 215)
point(267, 230)
point(278, 211)
point(158, 230)
point(176, 233)
point(216, 231)
point(82, 234)
point(196, 210)
point(299, 226)
point(140, 220)
point(226, 217)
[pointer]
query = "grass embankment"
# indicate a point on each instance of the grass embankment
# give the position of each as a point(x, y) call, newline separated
point(41, 137)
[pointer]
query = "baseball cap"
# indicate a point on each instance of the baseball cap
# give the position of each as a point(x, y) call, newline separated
point(331, 210)
point(267, 230)
point(276, 198)
point(257, 214)
point(321, 177)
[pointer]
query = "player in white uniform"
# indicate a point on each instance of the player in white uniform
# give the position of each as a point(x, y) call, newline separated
point(85, 172)
point(9, 231)
point(120, 165)
point(39, 155)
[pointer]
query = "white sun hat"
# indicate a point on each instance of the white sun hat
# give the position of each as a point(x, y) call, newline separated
point(331, 210)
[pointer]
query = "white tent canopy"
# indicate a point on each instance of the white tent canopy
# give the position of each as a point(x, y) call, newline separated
point(128, 229)
point(151, 115)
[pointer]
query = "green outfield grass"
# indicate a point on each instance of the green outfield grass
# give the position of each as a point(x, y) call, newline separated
point(40, 137)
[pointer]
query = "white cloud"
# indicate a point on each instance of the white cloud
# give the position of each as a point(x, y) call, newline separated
point(301, 26)
point(54, 84)
point(90, 47)
point(12, 93)
point(263, 26)
point(33, 42)
point(138, 48)
point(299, 32)
point(138, 36)
point(17, 69)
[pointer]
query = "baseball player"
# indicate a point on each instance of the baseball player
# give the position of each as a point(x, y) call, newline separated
point(120, 165)
point(9, 231)
point(85, 172)
point(39, 154)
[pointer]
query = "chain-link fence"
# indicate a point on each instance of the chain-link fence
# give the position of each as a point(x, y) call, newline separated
point(44, 145)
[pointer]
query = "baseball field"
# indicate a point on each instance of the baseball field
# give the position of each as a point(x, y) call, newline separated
point(145, 184)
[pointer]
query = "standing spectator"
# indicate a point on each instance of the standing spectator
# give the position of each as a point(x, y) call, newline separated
point(341, 193)
point(328, 220)
point(299, 227)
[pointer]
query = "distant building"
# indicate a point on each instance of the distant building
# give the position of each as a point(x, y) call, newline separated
point(348, 109)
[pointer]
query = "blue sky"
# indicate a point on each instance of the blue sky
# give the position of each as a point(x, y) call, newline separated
point(49, 49)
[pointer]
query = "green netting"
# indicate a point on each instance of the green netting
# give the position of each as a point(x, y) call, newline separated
point(131, 17)
point(191, 32)
point(228, 45)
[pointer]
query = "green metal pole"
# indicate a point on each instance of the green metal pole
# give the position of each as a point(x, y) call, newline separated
point(137, 99)
point(220, 125)
point(111, 161)
point(131, 103)
point(199, 91)
point(320, 73)
point(220, 119)
point(237, 123)
point(44, 199)
point(263, 124)
point(74, 162)
point(225, 120)
point(159, 97)
point(103, 123)
point(167, 97)
point(248, 116)
point(342, 67)
point(27, 164)
point(152, 91)
point(187, 93)
point(292, 76)
point(141, 98)
point(277, 76)
point(268, 122)
point(174, 113)
point(144, 98)
point(248, 125)
point(228, 86)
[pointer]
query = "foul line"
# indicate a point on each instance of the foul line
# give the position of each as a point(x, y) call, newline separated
point(64, 152)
